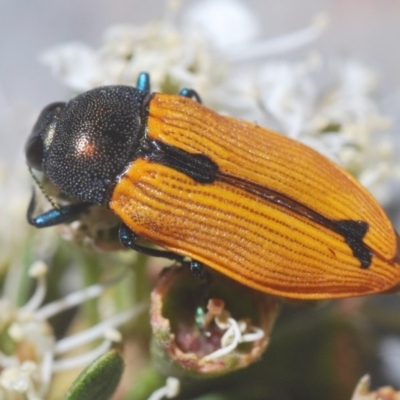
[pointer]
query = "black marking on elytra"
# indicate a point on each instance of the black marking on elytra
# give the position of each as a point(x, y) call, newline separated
point(353, 232)
point(199, 167)
point(203, 169)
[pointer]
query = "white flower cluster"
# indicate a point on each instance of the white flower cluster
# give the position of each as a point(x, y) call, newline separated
point(175, 59)
point(237, 74)
point(30, 353)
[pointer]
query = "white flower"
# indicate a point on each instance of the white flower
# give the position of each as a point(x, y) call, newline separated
point(35, 353)
point(226, 23)
point(220, 57)
point(349, 115)
point(76, 64)
point(174, 59)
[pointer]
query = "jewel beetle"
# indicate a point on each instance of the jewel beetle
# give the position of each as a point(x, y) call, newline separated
point(259, 207)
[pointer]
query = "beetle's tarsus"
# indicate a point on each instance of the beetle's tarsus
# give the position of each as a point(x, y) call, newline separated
point(197, 270)
point(143, 82)
point(54, 216)
point(191, 94)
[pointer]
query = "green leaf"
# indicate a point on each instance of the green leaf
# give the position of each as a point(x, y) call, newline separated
point(99, 380)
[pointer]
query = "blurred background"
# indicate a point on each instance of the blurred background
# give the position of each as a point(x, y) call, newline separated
point(367, 29)
point(319, 349)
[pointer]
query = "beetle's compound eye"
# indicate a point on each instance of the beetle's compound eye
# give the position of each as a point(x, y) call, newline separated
point(34, 147)
point(34, 151)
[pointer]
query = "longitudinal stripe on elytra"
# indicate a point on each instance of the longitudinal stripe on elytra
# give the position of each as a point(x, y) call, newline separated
point(278, 243)
point(314, 185)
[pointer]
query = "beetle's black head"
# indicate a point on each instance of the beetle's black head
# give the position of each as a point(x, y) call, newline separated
point(84, 145)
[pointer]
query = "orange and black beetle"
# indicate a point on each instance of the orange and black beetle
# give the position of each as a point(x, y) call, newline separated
point(257, 206)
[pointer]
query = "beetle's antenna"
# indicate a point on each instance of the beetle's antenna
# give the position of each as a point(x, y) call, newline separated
point(40, 186)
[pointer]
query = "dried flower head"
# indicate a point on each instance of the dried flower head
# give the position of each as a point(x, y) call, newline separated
point(231, 334)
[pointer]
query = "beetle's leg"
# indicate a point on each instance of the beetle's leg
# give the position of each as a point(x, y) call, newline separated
point(196, 268)
point(201, 274)
point(192, 94)
point(55, 216)
point(143, 82)
point(128, 238)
